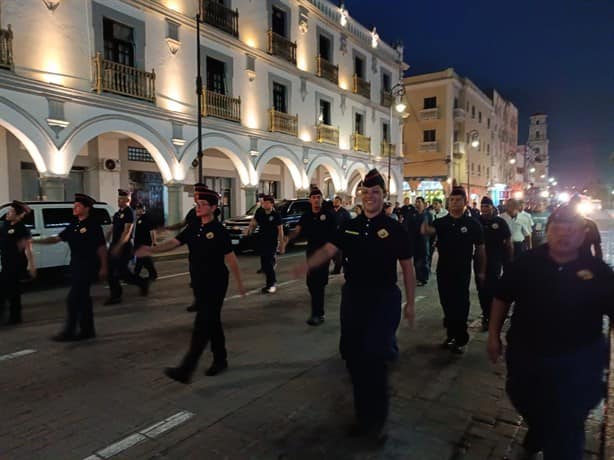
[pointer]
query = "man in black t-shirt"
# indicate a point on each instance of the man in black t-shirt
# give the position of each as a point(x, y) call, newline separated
point(270, 235)
point(16, 257)
point(372, 243)
point(144, 235)
point(499, 250)
point(318, 226)
point(342, 216)
point(457, 236)
point(556, 351)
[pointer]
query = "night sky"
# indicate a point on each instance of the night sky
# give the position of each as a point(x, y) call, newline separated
point(551, 56)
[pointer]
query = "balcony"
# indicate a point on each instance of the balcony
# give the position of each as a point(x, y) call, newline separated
point(221, 106)
point(280, 122)
point(328, 134)
point(458, 149)
point(459, 114)
point(387, 99)
point(429, 114)
point(387, 149)
point(361, 143)
point(325, 69)
point(362, 87)
point(112, 77)
point(428, 146)
point(6, 48)
point(217, 15)
point(282, 47)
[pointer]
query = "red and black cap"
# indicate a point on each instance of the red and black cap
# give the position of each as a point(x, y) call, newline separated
point(207, 195)
point(374, 178)
point(20, 208)
point(84, 199)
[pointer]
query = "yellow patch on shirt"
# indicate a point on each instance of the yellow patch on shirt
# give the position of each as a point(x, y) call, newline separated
point(209, 235)
point(11, 231)
point(83, 230)
point(383, 233)
point(140, 222)
point(351, 232)
point(585, 275)
point(121, 216)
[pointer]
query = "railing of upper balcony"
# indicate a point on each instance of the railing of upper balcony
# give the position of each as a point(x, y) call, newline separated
point(6, 48)
point(121, 79)
point(328, 134)
point(219, 16)
point(361, 143)
point(221, 106)
point(387, 149)
point(283, 123)
point(362, 87)
point(327, 70)
point(387, 99)
point(282, 47)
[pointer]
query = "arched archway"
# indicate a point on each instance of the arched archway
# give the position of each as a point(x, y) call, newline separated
point(290, 161)
point(333, 169)
point(160, 150)
point(354, 174)
point(26, 129)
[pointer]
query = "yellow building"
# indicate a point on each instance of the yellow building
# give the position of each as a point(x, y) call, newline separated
point(446, 113)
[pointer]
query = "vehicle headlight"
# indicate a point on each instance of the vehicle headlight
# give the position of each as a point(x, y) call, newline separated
point(584, 207)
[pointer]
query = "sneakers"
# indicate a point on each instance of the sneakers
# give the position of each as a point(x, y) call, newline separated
point(178, 374)
point(315, 320)
point(216, 367)
point(269, 289)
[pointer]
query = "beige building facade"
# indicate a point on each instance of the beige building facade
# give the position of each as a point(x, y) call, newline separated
point(447, 112)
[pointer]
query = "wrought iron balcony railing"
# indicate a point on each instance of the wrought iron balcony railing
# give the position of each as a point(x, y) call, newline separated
point(327, 70)
point(362, 87)
point(429, 146)
point(459, 114)
point(387, 99)
point(219, 16)
point(6, 48)
point(429, 114)
point(282, 47)
point(281, 122)
point(121, 79)
point(221, 106)
point(387, 149)
point(361, 143)
point(328, 134)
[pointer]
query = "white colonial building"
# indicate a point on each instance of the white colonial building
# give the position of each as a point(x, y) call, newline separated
point(100, 94)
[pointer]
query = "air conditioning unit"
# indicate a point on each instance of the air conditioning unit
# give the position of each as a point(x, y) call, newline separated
point(111, 164)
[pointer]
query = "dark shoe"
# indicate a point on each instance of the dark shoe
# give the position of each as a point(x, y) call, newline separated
point(531, 444)
point(178, 374)
point(315, 320)
point(144, 287)
point(259, 271)
point(64, 337)
point(113, 301)
point(457, 349)
point(192, 308)
point(216, 368)
point(85, 336)
point(447, 344)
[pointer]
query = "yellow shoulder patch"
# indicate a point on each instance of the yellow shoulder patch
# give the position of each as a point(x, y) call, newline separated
point(83, 230)
point(352, 232)
point(383, 233)
point(210, 235)
point(585, 275)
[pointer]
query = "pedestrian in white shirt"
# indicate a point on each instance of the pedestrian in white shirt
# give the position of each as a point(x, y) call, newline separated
point(525, 219)
point(521, 235)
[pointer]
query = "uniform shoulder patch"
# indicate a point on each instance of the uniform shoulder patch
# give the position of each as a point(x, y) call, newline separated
point(585, 275)
point(464, 229)
point(383, 233)
point(210, 235)
point(322, 217)
point(352, 232)
point(495, 226)
point(11, 231)
point(121, 216)
point(139, 221)
point(83, 230)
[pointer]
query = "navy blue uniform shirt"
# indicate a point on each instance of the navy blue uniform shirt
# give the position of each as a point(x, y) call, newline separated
point(496, 231)
point(557, 307)
point(120, 219)
point(142, 231)
point(267, 226)
point(13, 259)
point(84, 237)
point(371, 248)
point(456, 238)
point(318, 228)
point(208, 244)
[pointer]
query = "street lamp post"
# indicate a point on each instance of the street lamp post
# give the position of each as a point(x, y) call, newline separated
point(474, 141)
point(397, 92)
point(199, 96)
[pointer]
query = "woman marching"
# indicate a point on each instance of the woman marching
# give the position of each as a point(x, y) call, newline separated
point(210, 254)
point(16, 257)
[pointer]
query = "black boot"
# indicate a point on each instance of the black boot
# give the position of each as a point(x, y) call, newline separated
point(178, 374)
point(216, 368)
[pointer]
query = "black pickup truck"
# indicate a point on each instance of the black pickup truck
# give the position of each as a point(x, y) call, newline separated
point(290, 210)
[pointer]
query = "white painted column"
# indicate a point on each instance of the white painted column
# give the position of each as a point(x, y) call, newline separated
point(175, 202)
point(52, 188)
point(4, 167)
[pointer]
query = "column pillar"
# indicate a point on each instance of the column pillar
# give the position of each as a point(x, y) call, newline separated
point(302, 193)
point(175, 199)
point(251, 195)
point(52, 188)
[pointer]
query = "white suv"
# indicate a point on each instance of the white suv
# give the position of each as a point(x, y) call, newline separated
point(48, 218)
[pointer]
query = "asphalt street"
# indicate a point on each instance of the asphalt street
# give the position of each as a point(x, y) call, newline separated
point(286, 394)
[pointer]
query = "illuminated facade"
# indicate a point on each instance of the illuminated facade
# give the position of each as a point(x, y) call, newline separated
point(100, 95)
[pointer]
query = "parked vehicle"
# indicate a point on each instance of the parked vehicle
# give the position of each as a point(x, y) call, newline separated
point(48, 218)
point(290, 210)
